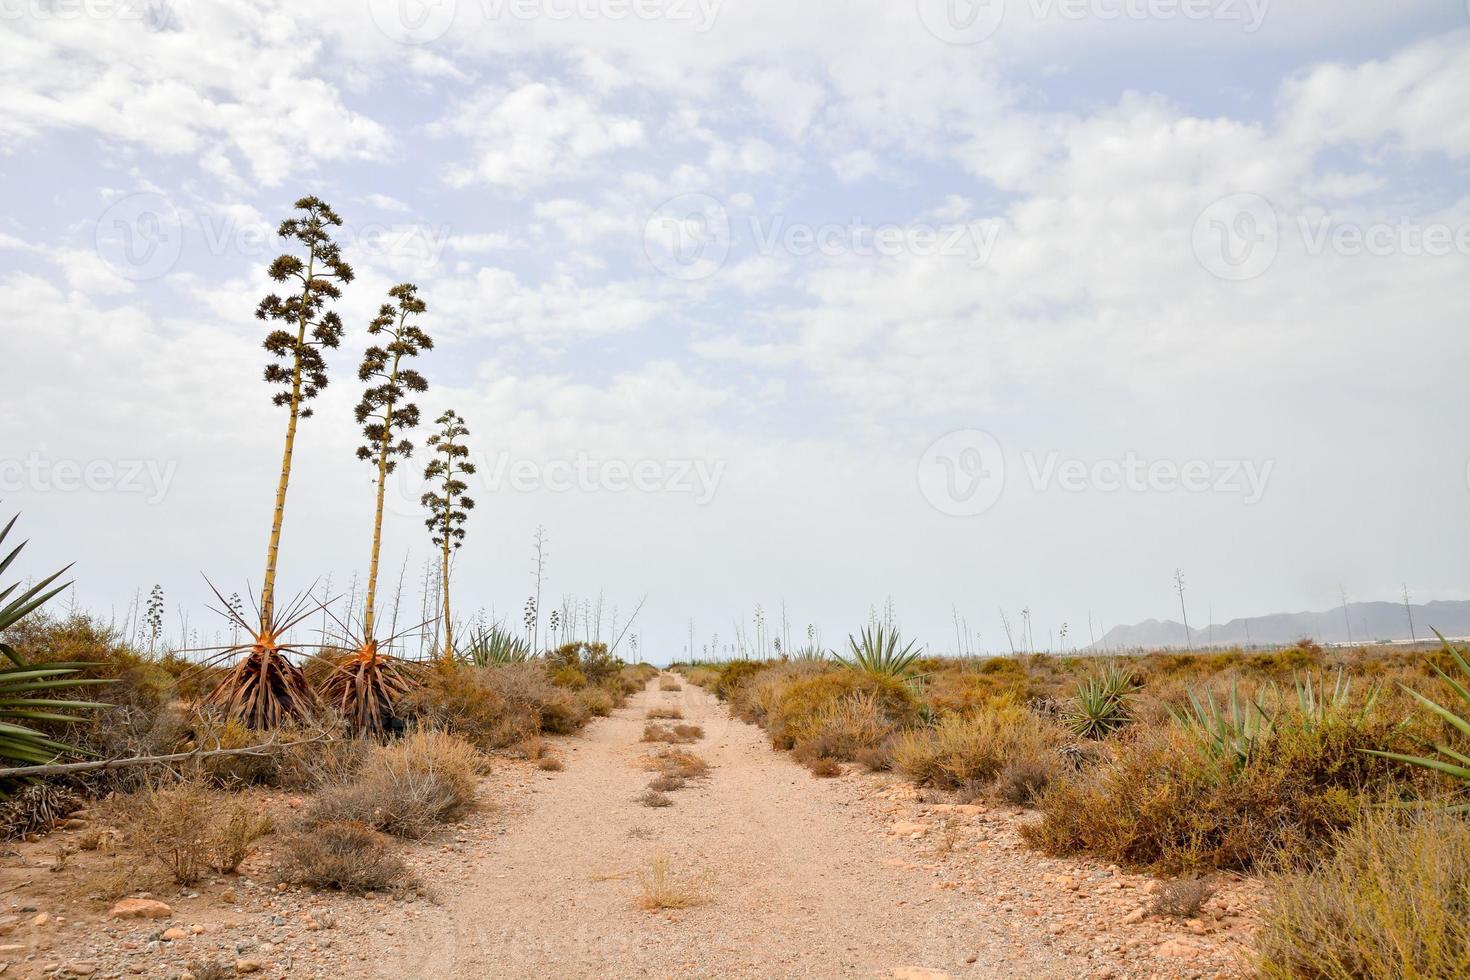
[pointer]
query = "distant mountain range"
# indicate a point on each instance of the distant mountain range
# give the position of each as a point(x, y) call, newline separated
point(1380, 622)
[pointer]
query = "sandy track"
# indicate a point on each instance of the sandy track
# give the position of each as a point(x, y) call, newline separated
point(799, 883)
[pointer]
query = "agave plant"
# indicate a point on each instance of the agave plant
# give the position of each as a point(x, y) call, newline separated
point(264, 689)
point(1231, 733)
point(367, 682)
point(810, 652)
point(878, 652)
point(1101, 704)
point(1447, 760)
point(495, 646)
point(1317, 703)
point(24, 689)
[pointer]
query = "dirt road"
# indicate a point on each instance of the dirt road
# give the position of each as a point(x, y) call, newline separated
point(803, 879)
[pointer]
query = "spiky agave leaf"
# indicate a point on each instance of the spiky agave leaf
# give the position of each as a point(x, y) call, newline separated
point(28, 600)
point(495, 646)
point(1231, 733)
point(264, 689)
point(878, 652)
point(1446, 759)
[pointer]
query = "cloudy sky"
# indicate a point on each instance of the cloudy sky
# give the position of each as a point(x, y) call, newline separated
point(966, 307)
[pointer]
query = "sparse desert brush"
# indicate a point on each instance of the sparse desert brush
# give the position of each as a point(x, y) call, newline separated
point(670, 684)
point(1023, 779)
point(1392, 900)
point(973, 748)
point(654, 798)
point(664, 714)
point(666, 783)
point(705, 677)
point(676, 762)
point(406, 788)
point(462, 701)
point(673, 734)
point(556, 710)
point(598, 701)
point(190, 829)
point(841, 729)
point(661, 886)
point(550, 763)
point(344, 855)
point(732, 675)
point(797, 705)
point(823, 767)
point(879, 758)
point(1165, 800)
point(568, 677)
point(959, 692)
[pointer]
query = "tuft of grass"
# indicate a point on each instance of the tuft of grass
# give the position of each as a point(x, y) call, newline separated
point(666, 783)
point(407, 788)
point(344, 855)
point(676, 762)
point(664, 714)
point(1023, 779)
point(653, 798)
point(823, 767)
point(670, 684)
point(662, 887)
point(550, 763)
point(673, 734)
point(974, 748)
point(1393, 900)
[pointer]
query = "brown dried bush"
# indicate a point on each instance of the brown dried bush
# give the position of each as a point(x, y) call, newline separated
point(189, 828)
point(343, 854)
point(406, 788)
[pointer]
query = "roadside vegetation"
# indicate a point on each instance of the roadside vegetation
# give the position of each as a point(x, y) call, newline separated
point(1320, 770)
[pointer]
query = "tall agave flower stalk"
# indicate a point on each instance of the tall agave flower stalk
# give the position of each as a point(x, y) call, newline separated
point(266, 688)
point(449, 506)
point(367, 682)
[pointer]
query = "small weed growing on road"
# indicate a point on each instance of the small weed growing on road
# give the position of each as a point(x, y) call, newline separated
point(670, 684)
point(653, 798)
point(673, 734)
point(666, 784)
point(676, 762)
point(664, 888)
point(665, 714)
point(550, 763)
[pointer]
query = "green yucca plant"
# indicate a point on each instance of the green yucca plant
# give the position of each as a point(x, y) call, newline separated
point(809, 652)
point(1101, 705)
point(24, 689)
point(495, 646)
point(1447, 760)
point(1317, 703)
point(1230, 733)
point(878, 652)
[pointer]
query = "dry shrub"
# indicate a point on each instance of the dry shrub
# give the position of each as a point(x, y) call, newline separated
point(1393, 900)
point(673, 734)
point(1181, 899)
point(406, 788)
point(666, 783)
point(961, 692)
point(550, 763)
point(1164, 802)
point(963, 749)
point(879, 758)
point(1023, 779)
point(824, 767)
point(705, 677)
point(665, 714)
point(662, 887)
point(676, 762)
point(189, 828)
point(342, 854)
point(670, 684)
point(463, 701)
point(598, 701)
point(34, 808)
point(527, 686)
point(795, 707)
point(842, 728)
point(653, 798)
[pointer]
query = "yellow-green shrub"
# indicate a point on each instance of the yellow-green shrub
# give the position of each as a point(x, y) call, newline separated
point(962, 750)
point(798, 704)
